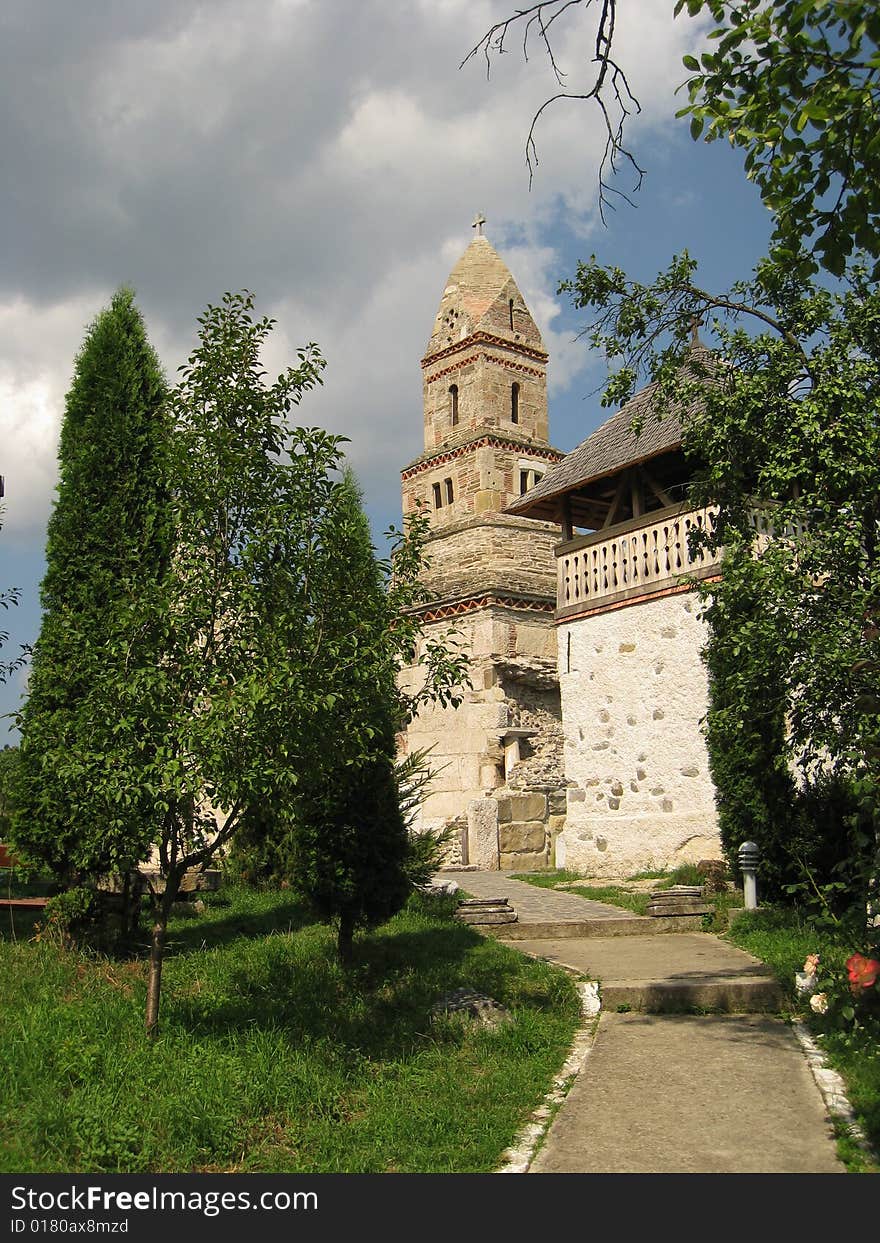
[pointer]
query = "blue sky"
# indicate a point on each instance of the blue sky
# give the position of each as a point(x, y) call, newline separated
point(329, 157)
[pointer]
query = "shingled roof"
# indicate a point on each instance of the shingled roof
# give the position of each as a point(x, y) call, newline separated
point(610, 449)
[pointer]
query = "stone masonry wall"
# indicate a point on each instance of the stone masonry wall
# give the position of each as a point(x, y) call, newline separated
point(484, 376)
point(492, 552)
point(483, 477)
point(634, 691)
point(508, 821)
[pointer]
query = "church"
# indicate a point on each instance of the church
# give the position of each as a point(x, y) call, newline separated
point(579, 742)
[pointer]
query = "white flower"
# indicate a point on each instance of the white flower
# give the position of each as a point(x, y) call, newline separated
point(819, 1003)
point(804, 982)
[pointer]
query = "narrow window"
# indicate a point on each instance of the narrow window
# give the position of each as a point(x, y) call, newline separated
point(514, 402)
point(453, 403)
point(449, 493)
point(523, 482)
point(510, 310)
point(438, 497)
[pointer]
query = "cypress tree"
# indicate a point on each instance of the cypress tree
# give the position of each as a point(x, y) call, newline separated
point(351, 843)
point(108, 542)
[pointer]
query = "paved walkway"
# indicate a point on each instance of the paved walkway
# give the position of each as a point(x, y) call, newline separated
point(664, 1092)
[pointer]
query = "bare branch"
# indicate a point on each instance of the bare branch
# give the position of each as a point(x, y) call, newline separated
point(610, 88)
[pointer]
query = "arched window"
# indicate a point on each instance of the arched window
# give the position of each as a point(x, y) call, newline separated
point(438, 497)
point(450, 495)
point(453, 403)
point(514, 402)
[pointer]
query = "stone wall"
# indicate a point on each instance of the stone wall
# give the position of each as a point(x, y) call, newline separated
point(512, 810)
point(492, 552)
point(634, 691)
point(474, 478)
point(484, 376)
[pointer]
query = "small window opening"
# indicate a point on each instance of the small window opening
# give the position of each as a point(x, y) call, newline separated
point(523, 482)
point(514, 402)
point(510, 311)
point(453, 403)
point(438, 497)
point(449, 492)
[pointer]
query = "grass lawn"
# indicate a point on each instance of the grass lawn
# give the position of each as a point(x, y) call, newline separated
point(271, 1058)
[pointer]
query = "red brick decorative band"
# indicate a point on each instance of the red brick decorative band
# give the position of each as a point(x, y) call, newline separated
point(443, 612)
point(487, 338)
point(502, 362)
point(496, 442)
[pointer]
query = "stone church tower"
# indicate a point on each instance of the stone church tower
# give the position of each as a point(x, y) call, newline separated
point(491, 574)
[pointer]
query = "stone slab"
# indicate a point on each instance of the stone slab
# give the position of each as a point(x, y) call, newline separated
point(486, 917)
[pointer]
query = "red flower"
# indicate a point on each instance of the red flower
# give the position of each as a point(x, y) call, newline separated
point(862, 971)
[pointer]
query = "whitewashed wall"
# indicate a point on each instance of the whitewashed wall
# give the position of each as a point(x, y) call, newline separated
point(634, 691)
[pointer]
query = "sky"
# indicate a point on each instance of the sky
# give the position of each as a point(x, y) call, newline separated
point(329, 156)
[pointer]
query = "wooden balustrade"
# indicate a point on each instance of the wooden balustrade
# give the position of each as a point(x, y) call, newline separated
point(635, 558)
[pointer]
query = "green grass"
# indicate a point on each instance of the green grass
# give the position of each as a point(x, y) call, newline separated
point(272, 1058)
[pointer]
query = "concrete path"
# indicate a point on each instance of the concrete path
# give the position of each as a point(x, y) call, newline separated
point(665, 1092)
point(660, 1093)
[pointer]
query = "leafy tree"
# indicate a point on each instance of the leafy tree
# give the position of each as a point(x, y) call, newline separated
point(346, 843)
point(783, 425)
point(794, 83)
point(108, 543)
point(210, 729)
point(215, 680)
point(8, 598)
point(8, 761)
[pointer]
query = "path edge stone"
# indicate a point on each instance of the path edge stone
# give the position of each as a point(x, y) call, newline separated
point(519, 1156)
point(832, 1090)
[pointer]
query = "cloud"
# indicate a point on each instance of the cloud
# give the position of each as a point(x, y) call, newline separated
point(329, 157)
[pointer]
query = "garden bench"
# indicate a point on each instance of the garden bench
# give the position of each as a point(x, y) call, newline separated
point(7, 863)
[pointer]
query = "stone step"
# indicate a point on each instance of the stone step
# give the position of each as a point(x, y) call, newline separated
point(748, 994)
point(485, 911)
point(665, 974)
point(624, 926)
point(685, 906)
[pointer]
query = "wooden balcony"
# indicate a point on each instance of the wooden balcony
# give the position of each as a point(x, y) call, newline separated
point(638, 558)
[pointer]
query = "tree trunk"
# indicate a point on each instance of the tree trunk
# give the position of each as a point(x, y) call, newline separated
point(161, 911)
point(344, 939)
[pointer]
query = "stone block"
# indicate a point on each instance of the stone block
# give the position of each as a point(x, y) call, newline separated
point(483, 833)
point(522, 836)
point(557, 803)
point(526, 861)
point(528, 806)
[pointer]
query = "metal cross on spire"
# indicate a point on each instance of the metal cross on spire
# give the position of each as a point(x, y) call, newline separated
point(479, 221)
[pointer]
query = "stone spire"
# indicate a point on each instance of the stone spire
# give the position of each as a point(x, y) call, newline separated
point(482, 296)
